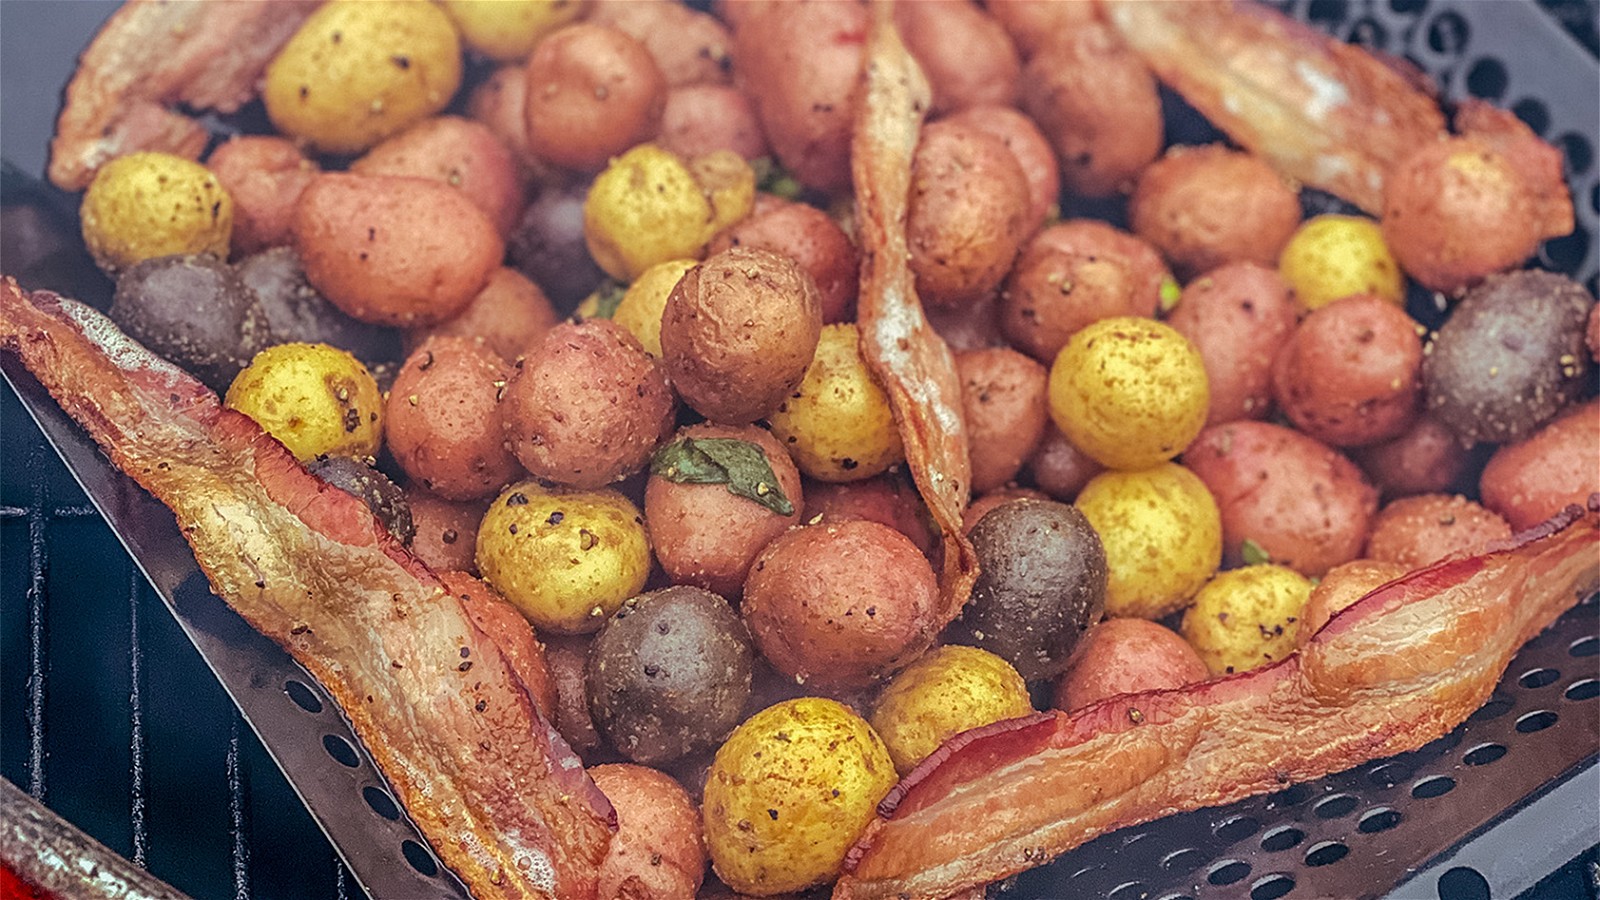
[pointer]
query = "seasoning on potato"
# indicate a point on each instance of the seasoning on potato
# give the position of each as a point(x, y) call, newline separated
point(446, 530)
point(1126, 656)
point(318, 400)
point(264, 174)
point(1162, 534)
point(442, 422)
point(1535, 478)
point(1129, 392)
point(788, 794)
point(1246, 618)
point(837, 423)
point(508, 29)
point(949, 690)
point(156, 301)
point(1351, 373)
point(296, 311)
point(1207, 206)
point(645, 300)
point(814, 241)
point(1419, 531)
point(1332, 256)
point(511, 315)
point(1238, 317)
point(658, 850)
point(360, 479)
point(459, 153)
point(593, 92)
point(567, 559)
point(648, 206)
point(1004, 404)
point(144, 205)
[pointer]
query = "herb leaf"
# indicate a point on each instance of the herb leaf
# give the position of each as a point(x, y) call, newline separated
point(738, 464)
point(1253, 554)
point(608, 296)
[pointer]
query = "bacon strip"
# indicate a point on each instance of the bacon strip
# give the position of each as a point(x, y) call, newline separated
point(436, 678)
point(150, 55)
point(908, 358)
point(1320, 111)
point(1401, 667)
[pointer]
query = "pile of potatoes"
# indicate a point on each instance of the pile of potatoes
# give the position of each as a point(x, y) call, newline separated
point(583, 324)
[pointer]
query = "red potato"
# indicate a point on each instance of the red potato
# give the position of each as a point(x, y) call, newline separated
point(441, 422)
point(1059, 468)
point(1418, 531)
point(800, 63)
point(812, 240)
point(1351, 373)
point(1097, 103)
point(980, 507)
point(1204, 207)
point(689, 47)
point(972, 327)
point(391, 250)
point(966, 55)
point(701, 118)
point(511, 315)
point(461, 153)
point(567, 656)
point(1535, 478)
point(1342, 586)
point(264, 176)
point(1032, 150)
point(447, 530)
point(1299, 501)
point(592, 92)
point(658, 850)
point(1006, 410)
point(1425, 458)
point(1238, 317)
point(1126, 656)
point(1033, 24)
point(888, 499)
point(501, 104)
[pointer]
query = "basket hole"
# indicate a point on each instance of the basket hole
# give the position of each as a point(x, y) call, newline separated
point(1587, 689)
point(1294, 795)
point(419, 857)
point(1129, 890)
point(1328, 12)
point(1583, 647)
point(1437, 786)
point(1449, 34)
point(1181, 861)
point(1462, 883)
point(1487, 79)
point(1484, 754)
point(302, 696)
point(1565, 254)
point(1533, 113)
point(1326, 853)
point(1335, 806)
point(1237, 829)
point(340, 750)
point(1594, 198)
point(1271, 887)
point(1536, 721)
point(1368, 33)
point(1280, 839)
point(1496, 707)
point(1538, 678)
point(381, 803)
point(1228, 871)
point(1578, 151)
point(1390, 774)
point(1380, 819)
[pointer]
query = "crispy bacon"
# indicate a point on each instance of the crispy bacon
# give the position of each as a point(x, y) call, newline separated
point(1401, 667)
point(152, 54)
point(1323, 112)
point(913, 364)
point(438, 677)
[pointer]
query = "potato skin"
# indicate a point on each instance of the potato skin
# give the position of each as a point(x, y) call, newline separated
point(659, 847)
point(1060, 469)
point(1425, 458)
point(1298, 499)
point(508, 29)
point(457, 152)
point(588, 406)
point(550, 248)
point(839, 606)
point(1419, 531)
point(447, 530)
point(1238, 316)
point(645, 300)
point(1033, 24)
point(949, 690)
point(144, 205)
point(699, 118)
point(967, 213)
point(264, 175)
point(1204, 207)
point(593, 92)
point(1351, 373)
point(1535, 478)
point(442, 423)
point(1247, 618)
point(837, 422)
point(1006, 408)
point(706, 536)
point(967, 57)
point(1340, 587)
point(356, 73)
point(156, 303)
point(1127, 656)
point(739, 332)
point(983, 505)
point(648, 207)
point(814, 241)
point(690, 47)
point(393, 251)
point(1162, 532)
point(890, 499)
point(1332, 256)
point(510, 315)
point(1031, 149)
point(316, 399)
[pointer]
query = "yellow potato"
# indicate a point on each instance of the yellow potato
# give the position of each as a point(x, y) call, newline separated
point(729, 183)
point(646, 299)
point(318, 400)
point(1130, 392)
point(645, 208)
point(146, 205)
point(567, 559)
point(838, 424)
point(506, 30)
point(1332, 257)
point(1247, 617)
point(789, 793)
point(357, 72)
point(1162, 535)
point(947, 691)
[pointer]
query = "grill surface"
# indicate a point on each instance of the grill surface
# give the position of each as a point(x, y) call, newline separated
point(108, 714)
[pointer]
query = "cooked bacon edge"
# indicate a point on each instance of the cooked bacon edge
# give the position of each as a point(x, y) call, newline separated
point(912, 362)
point(152, 54)
point(1323, 112)
point(1401, 667)
point(438, 677)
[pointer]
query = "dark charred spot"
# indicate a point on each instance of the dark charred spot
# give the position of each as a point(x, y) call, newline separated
point(521, 499)
point(555, 517)
point(401, 62)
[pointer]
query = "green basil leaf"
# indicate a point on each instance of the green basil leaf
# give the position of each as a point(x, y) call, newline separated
point(738, 464)
point(608, 296)
point(1253, 554)
point(1171, 293)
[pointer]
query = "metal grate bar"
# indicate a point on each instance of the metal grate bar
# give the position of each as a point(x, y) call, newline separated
point(36, 625)
point(137, 785)
point(237, 813)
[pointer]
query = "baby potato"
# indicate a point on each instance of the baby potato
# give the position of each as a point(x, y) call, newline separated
point(645, 208)
point(689, 46)
point(949, 690)
point(447, 530)
point(264, 175)
point(985, 504)
point(966, 55)
point(1127, 656)
point(967, 213)
point(358, 72)
point(1419, 531)
point(1162, 534)
point(1238, 317)
point(702, 118)
point(840, 426)
point(361, 479)
point(1535, 478)
point(1246, 618)
point(645, 300)
point(144, 205)
point(155, 304)
point(808, 236)
point(511, 315)
point(549, 246)
point(593, 92)
point(1351, 373)
point(890, 499)
point(318, 400)
point(567, 559)
point(789, 792)
point(658, 850)
point(1003, 398)
point(505, 30)
point(1059, 468)
point(457, 152)
point(1129, 392)
point(1339, 588)
point(1332, 256)
point(1207, 206)
point(1425, 458)
point(1032, 150)
point(442, 421)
